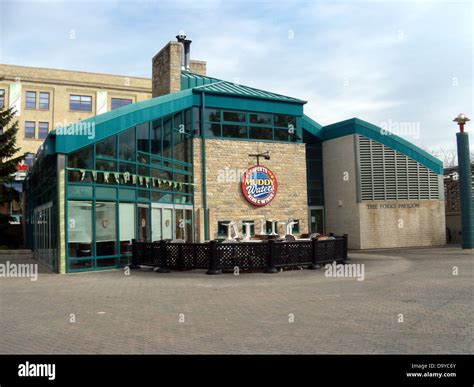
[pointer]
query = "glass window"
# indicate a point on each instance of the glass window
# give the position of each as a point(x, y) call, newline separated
point(281, 135)
point(264, 119)
point(31, 99)
point(44, 100)
point(30, 129)
point(213, 130)
point(156, 224)
point(212, 115)
point(127, 145)
point(167, 138)
point(285, 121)
point(234, 116)
point(261, 133)
point(43, 129)
point(2, 98)
point(81, 103)
point(143, 158)
point(108, 168)
point(222, 228)
point(156, 136)
point(81, 159)
point(144, 223)
point(79, 228)
point(143, 138)
point(127, 227)
point(126, 172)
point(119, 102)
point(105, 229)
point(235, 131)
point(107, 147)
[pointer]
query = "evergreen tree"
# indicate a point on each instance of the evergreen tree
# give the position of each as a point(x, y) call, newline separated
point(8, 163)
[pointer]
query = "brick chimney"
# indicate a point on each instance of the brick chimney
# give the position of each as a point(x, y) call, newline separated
point(168, 64)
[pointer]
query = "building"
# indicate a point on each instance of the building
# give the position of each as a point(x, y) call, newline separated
point(453, 203)
point(45, 98)
point(204, 153)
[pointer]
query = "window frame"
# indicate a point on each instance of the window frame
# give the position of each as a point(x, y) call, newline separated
point(39, 127)
point(26, 100)
point(34, 130)
point(2, 98)
point(119, 99)
point(39, 100)
point(81, 96)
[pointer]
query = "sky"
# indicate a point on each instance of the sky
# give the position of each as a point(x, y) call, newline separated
point(405, 66)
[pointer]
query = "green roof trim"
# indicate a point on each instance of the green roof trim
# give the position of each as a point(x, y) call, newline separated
point(312, 126)
point(358, 126)
point(121, 119)
point(218, 86)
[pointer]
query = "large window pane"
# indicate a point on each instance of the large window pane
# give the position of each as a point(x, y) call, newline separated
point(80, 103)
point(156, 136)
point(143, 138)
point(213, 130)
point(127, 145)
point(127, 227)
point(43, 130)
point(81, 159)
point(107, 147)
point(30, 129)
point(212, 115)
point(44, 100)
point(264, 119)
point(167, 138)
point(235, 131)
point(234, 116)
point(126, 172)
point(79, 228)
point(156, 224)
point(31, 100)
point(144, 223)
point(119, 102)
point(261, 133)
point(106, 170)
point(105, 229)
point(285, 121)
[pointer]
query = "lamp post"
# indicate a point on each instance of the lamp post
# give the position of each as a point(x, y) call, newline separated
point(265, 155)
point(465, 183)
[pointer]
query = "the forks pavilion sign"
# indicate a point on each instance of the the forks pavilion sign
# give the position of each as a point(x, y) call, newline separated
point(259, 185)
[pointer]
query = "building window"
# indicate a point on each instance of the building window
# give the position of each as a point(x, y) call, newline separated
point(262, 119)
point(2, 98)
point(222, 227)
point(44, 101)
point(252, 227)
point(234, 116)
point(82, 103)
point(79, 229)
point(261, 133)
point(212, 115)
point(43, 129)
point(31, 99)
point(234, 131)
point(119, 102)
point(30, 129)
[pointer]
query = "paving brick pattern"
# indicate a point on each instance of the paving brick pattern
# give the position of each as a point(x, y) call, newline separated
point(249, 313)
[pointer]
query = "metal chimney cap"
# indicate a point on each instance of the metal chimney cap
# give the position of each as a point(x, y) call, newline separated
point(181, 36)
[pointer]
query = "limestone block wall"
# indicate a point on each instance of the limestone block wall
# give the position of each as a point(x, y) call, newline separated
point(225, 161)
point(340, 189)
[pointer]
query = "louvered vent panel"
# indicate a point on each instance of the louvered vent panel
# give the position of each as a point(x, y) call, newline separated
point(389, 175)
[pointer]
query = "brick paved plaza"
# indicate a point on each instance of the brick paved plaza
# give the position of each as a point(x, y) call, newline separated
point(249, 313)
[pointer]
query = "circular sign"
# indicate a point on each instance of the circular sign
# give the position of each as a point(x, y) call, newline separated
point(259, 185)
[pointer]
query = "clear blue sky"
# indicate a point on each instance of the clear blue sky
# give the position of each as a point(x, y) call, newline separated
point(384, 62)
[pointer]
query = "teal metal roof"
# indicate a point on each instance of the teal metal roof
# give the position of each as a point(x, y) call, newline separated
point(312, 126)
point(356, 125)
point(217, 86)
point(121, 119)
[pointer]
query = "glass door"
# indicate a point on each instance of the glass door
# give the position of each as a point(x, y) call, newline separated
point(167, 223)
point(316, 220)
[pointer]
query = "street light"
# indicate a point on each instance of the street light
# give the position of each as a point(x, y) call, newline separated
point(465, 183)
point(461, 119)
point(266, 156)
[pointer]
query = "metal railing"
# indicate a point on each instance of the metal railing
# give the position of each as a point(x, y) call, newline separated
point(216, 257)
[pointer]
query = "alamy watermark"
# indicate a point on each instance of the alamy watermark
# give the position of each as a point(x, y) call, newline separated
point(352, 270)
point(409, 129)
point(19, 270)
point(80, 128)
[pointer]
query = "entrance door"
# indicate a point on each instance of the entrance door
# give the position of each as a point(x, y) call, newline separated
point(316, 220)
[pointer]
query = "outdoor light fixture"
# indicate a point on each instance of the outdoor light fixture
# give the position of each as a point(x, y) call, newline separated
point(266, 156)
point(461, 119)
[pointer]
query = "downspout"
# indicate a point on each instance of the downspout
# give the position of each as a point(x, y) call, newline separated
point(203, 163)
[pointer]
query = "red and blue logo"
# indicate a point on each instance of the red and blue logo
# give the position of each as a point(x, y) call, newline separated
point(259, 185)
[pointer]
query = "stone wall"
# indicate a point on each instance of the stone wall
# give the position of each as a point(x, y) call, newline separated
point(166, 70)
point(225, 159)
point(374, 224)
